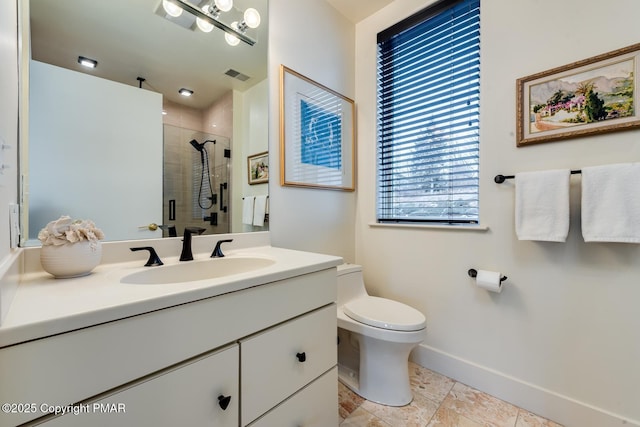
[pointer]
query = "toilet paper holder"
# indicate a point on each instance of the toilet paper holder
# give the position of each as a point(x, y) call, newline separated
point(473, 273)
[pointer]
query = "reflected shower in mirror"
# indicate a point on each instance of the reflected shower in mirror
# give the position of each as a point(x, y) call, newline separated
point(92, 141)
point(196, 180)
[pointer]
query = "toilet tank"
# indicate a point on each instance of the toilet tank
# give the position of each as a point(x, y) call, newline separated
point(350, 283)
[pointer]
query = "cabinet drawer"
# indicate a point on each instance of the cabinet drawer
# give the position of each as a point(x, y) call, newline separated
point(314, 406)
point(184, 395)
point(279, 361)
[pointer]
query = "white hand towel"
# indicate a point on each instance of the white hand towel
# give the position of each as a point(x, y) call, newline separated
point(247, 210)
point(542, 205)
point(611, 203)
point(260, 208)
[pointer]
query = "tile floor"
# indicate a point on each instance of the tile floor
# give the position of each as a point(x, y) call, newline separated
point(437, 401)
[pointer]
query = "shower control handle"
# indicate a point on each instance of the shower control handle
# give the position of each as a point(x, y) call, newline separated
point(302, 357)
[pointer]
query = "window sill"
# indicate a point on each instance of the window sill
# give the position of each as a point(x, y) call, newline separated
point(454, 227)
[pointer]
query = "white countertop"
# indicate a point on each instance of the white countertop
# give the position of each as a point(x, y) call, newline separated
point(44, 306)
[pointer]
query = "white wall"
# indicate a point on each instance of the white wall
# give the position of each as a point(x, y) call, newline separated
point(251, 129)
point(312, 38)
point(563, 337)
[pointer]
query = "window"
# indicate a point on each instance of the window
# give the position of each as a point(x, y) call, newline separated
point(428, 116)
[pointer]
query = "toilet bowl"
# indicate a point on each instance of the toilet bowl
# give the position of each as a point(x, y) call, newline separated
point(375, 337)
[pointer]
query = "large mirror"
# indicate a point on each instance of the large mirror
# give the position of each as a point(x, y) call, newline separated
point(117, 143)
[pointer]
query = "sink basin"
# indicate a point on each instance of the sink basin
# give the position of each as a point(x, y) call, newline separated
point(191, 271)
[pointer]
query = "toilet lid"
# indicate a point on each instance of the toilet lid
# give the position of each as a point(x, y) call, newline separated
point(384, 313)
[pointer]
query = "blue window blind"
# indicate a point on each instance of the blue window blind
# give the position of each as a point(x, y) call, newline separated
point(428, 116)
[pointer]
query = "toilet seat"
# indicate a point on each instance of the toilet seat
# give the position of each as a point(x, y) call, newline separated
point(385, 314)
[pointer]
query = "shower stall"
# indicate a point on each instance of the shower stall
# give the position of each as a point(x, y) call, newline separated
point(196, 187)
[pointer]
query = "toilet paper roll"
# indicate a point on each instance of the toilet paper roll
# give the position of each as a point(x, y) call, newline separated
point(489, 280)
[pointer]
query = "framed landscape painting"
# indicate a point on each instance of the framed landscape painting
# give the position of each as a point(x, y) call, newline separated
point(258, 167)
point(592, 96)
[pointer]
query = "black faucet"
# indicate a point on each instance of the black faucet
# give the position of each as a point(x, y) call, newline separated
point(186, 254)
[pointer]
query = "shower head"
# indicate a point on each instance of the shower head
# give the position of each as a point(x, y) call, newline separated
point(199, 147)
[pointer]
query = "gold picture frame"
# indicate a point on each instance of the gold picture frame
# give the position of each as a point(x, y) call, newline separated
point(317, 134)
point(592, 96)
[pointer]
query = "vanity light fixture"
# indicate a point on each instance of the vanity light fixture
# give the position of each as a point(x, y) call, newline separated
point(171, 8)
point(204, 26)
point(223, 5)
point(210, 16)
point(185, 92)
point(251, 18)
point(87, 62)
point(230, 38)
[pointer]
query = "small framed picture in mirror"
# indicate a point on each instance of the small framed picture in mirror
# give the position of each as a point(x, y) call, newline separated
point(258, 167)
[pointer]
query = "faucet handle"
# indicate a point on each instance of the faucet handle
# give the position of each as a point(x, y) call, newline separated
point(153, 260)
point(217, 252)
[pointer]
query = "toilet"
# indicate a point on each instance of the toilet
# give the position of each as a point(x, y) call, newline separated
point(375, 337)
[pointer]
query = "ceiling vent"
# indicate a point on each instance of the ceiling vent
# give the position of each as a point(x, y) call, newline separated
point(237, 75)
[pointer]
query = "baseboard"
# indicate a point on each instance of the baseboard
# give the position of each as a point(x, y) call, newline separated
point(545, 403)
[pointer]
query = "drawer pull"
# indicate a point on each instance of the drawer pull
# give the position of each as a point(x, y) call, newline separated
point(224, 401)
point(301, 356)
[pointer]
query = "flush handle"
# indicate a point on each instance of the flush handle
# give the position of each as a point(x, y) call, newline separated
point(224, 401)
point(301, 357)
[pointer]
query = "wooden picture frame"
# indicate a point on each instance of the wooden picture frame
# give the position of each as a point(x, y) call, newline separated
point(587, 97)
point(258, 168)
point(317, 134)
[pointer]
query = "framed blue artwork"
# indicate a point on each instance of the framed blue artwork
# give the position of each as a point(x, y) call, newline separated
point(317, 134)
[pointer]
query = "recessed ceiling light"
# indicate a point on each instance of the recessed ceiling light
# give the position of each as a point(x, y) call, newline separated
point(87, 62)
point(185, 92)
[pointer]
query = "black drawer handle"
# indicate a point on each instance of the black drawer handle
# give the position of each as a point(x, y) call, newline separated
point(224, 401)
point(301, 356)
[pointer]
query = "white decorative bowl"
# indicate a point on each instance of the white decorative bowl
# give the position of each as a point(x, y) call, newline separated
point(71, 259)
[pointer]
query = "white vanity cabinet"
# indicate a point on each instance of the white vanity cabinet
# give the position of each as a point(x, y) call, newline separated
point(170, 366)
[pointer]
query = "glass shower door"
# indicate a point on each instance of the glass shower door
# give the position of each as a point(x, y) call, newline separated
point(196, 181)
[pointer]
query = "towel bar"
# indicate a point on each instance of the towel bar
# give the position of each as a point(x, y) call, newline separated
point(499, 179)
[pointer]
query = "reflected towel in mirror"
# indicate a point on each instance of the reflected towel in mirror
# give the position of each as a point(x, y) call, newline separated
point(247, 210)
point(259, 210)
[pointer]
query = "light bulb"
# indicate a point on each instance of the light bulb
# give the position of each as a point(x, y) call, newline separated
point(251, 18)
point(224, 5)
point(230, 38)
point(204, 25)
point(171, 8)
